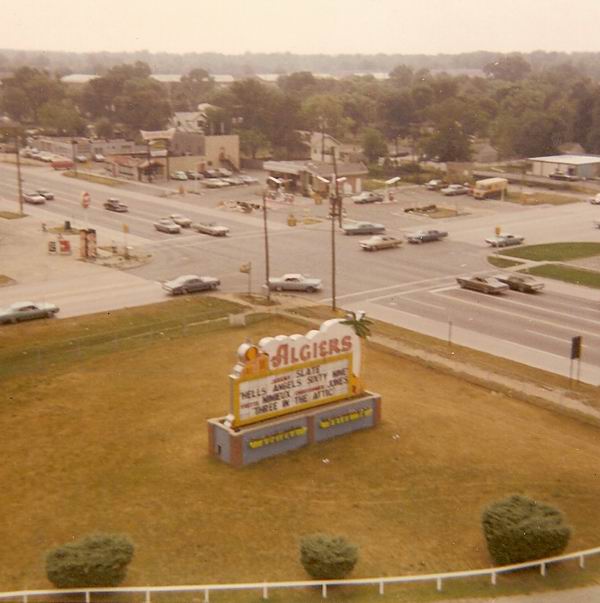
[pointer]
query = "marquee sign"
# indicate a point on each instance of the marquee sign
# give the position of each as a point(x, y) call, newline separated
point(285, 374)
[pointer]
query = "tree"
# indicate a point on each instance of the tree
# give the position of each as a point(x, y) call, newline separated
point(251, 141)
point(62, 117)
point(15, 103)
point(142, 105)
point(449, 143)
point(104, 128)
point(373, 144)
point(324, 110)
point(519, 529)
point(512, 68)
point(402, 75)
point(95, 560)
point(359, 323)
point(326, 557)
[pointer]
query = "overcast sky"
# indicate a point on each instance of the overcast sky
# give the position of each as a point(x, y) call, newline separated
point(301, 26)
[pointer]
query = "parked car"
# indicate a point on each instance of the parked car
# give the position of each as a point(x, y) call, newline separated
point(114, 204)
point(482, 284)
point(354, 228)
point(249, 179)
point(521, 282)
point(378, 242)
point(454, 189)
point(295, 282)
point(168, 226)
point(46, 157)
point(190, 283)
point(367, 197)
point(193, 175)
point(595, 200)
point(210, 173)
point(181, 220)
point(505, 240)
point(224, 172)
point(27, 310)
point(179, 175)
point(99, 157)
point(211, 228)
point(81, 158)
point(434, 185)
point(215, 183)
point(233, 180)
point(34, 198)
point(46, 194)
point(563, 176)
point(426, 236)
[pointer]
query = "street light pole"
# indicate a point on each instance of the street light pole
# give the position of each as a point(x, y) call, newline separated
point(335, 210)
point(267, 268)
point(19, 179)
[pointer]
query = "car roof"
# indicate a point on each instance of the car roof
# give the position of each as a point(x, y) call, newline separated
point(185, 277)
point(22, 303)
point(293, 275)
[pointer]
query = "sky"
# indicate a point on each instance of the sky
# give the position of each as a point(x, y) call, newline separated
point(301, 26)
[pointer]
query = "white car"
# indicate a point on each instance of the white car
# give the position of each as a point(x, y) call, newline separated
point(34, 198)
point(248, 179)
point(454, 189)
point(179, 175)
point(211, 228)
point(181, 220)
point(168, 226)
point(505, 240)
point(215, 183)
point(378, 242)
point(27, 310)
point(595, 200)
point(294, 282)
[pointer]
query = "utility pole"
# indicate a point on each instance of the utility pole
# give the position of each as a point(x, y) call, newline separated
point(267, 269)
point(74, 155)
point(334, 209)
point(19, 179)
point(322, 121)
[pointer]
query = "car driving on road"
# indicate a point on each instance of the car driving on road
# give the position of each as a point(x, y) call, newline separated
point(454, 189)
point(168, 226)
point(377, 242)
point(367, 197)
point(34, 198)
point(183, 221)
point(211, 228)
point(521, 282)
point(355, 228)
point(505, 240)
point(295, 282)
point(426, 236)
point(482, 284)
point(114, 204)
point(190, 283)
point(27, 310)
point(46, 194)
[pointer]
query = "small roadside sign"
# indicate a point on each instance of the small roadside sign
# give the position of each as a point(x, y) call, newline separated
point(85, 199)
point(576, 347)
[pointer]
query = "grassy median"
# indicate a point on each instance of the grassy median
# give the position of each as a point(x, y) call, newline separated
point(116, 441)
point(555, 252)
point(567, 274)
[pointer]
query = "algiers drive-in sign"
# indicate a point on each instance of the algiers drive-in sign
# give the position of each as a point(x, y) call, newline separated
point(286, 374)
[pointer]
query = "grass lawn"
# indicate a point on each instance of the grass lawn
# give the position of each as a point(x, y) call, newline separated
point(11, 215)
point(538, 198)
point(568, 274)
point(97, 178)
point(117, 442)
point(501, 262)
point(555, 252)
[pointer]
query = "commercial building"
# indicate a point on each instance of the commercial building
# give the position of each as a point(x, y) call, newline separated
point(576, 166)
point(314, 176)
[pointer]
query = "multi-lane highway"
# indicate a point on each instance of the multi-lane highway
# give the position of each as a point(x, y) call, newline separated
point(413, 286)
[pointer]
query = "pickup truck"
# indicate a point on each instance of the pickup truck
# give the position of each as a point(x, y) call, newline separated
point(505, 240)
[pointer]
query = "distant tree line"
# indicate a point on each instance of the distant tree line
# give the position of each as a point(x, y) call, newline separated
point(522, 110)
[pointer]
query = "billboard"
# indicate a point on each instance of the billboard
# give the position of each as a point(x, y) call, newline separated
point(286, 374)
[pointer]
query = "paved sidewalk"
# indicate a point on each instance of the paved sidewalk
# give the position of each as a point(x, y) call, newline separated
point(579, 595)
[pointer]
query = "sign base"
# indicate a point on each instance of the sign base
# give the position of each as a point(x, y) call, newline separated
point(277, 436)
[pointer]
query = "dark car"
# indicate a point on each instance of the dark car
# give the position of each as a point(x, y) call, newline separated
point(46, 194)
point(425, 236)
point(191, 283)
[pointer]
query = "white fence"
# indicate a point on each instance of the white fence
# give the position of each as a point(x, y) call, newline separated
point(322, 585)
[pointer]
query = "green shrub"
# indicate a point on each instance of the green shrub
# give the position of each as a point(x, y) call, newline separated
point(95, 560)
point(326, 557)
point(519, 529)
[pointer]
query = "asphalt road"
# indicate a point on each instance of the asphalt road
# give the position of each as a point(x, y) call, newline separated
point(412, 286)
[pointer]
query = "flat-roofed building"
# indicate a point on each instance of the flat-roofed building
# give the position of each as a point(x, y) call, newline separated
point(577, 166)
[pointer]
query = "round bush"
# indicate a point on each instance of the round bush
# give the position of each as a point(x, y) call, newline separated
point(519, 529)
point(326, 557)
point(95, 560)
